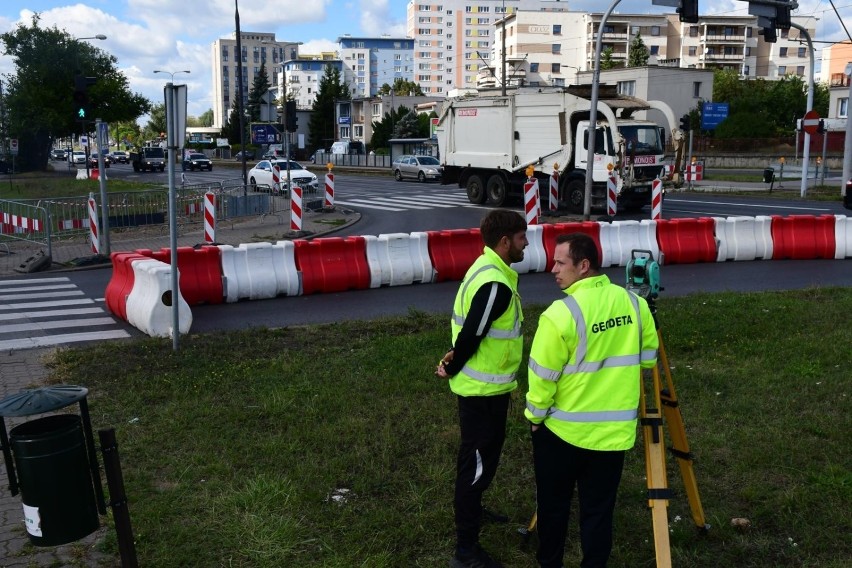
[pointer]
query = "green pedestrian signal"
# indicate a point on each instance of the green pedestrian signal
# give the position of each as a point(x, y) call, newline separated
point(81, 113)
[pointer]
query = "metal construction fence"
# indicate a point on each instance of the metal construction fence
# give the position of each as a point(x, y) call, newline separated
point(40, 221)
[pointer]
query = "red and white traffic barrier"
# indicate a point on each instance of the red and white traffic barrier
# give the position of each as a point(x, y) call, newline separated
point(210, 217)
point(532, 204)
point(295, 208)
point(611, 195)
point(657, 199)
point(695, 172)
point(553, 201)
point(93, 225)
point(329, 190)
point(276, 179)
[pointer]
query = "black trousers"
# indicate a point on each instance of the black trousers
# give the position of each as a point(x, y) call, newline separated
point(482, 421)
point(559, 466)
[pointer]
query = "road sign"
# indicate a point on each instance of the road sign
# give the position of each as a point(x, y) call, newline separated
point(810, 122)
point(712, 114)
point(13, 146)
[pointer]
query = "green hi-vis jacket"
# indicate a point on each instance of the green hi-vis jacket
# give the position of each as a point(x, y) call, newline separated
point(584, 370)
point(491, 370)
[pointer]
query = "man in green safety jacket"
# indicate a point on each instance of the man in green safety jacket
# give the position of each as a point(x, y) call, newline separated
point(481, 367)
point(584, 375)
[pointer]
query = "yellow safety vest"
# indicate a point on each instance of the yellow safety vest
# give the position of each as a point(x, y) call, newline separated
point(491, 370)
point(585, 365)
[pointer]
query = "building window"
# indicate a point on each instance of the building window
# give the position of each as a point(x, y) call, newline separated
point(783, 52)
point(696, 89)
point(533, 67)
point(800, 70)
point(746, 70)
point(344, 132)
point(557, 29)
point(559, 82)
point(693, 50)
point(782, 70)
point(655, 30)
point(627, 88)
point(554, 68)
point(556, 49)
point(693, 31)
point(843, 107)
point(747, 50)
point(358, 130)
point(801, 52)
point(655, 49)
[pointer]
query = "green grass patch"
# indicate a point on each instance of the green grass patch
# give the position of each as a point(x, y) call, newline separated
point(61, 182)
point(335, 445)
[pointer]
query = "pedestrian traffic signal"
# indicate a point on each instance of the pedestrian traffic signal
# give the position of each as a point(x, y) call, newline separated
point(292, 121)
point(685, 123)
point(81, 95)
point(769, 33)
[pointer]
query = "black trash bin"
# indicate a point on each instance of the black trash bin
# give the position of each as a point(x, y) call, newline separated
point(768, 175)
point(54, 466)
point(56, 487)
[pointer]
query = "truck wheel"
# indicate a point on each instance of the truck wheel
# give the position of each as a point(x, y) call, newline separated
point(475, 190)
point(496, 189)
point(576, 191)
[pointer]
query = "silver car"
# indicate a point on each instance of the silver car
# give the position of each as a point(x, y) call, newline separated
point(421, 168)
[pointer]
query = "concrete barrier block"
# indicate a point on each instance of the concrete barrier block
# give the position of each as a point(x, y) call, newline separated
point(620, 238)
point(375, 261)
point(535, 255)
point(258, 271)
point(843, 236)
point(424, 271)
point(395, 249)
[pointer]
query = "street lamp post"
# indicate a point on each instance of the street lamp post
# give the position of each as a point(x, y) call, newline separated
point(240, 96)
point(576, 71)
point(171, 73)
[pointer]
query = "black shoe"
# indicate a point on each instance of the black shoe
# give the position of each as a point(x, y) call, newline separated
point(476, 558)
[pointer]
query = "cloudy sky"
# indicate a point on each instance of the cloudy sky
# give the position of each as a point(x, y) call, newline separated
point(172, 35)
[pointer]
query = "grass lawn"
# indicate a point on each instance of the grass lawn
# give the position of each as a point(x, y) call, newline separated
point(334, 445)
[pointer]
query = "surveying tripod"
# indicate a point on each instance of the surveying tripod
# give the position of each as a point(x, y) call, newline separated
point(660, 406)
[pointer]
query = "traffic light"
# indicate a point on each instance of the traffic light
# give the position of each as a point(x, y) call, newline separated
point(685, 123)
point(688, 11)
point(81, 96)
point(769, 34)
point(290, 116)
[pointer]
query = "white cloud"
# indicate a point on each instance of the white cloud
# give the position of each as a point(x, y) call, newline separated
point(376, 21)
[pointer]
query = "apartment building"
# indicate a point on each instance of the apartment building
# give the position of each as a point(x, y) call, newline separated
point(453, 38)
point(259, 50)
point(370, 62)
point(303, 78)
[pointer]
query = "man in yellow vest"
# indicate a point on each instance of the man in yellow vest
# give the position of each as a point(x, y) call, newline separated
point(481, 368)
point(584, 376)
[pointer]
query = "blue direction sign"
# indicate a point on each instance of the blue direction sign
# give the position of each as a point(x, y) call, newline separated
point(712, 114)
point(264, 134)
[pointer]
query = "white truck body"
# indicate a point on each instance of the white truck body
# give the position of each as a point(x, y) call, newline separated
point(486, 143)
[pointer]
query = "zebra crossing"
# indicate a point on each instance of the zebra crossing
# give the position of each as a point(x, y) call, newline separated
point(43, 312)
point(397, 201)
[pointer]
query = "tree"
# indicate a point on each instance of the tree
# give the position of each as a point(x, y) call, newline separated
point(259, 88)
point(39, 93)
point(387, 128)
point(156, 122)
point(401, 87)
point(321, 126)
point(607, 62)
point(206, 118)
point(638, 54)
point(231, 128)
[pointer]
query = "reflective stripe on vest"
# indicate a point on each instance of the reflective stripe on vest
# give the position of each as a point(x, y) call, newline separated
point(582, 366)
point(459, 319)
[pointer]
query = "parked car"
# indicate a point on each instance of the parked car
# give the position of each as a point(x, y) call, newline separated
point(58, 154)
point(93, 161)
point(250, 154)
point(120, 157)
point(77, 157)
point(260, 176)
point(198, 161)
point(421, 168)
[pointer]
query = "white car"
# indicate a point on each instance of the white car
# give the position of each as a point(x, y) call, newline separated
point(260, 176)
point(77, 157)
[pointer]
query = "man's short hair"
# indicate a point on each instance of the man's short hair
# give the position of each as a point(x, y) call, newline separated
point(581, 246)
point(500, 223)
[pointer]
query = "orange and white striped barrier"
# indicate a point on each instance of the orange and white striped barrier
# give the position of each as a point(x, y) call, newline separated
point(276, 179)
point(611, 195)
point(210, 217)
point(553, 201)
point(657, 199)
point(93, 225)
point(532, 204)
point(295, 208)
point(329, 190)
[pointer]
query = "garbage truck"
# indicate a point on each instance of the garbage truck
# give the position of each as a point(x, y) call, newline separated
point(487, 142)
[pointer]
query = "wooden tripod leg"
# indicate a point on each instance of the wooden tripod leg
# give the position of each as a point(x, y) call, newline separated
point(655, 469)
point(680, 445)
